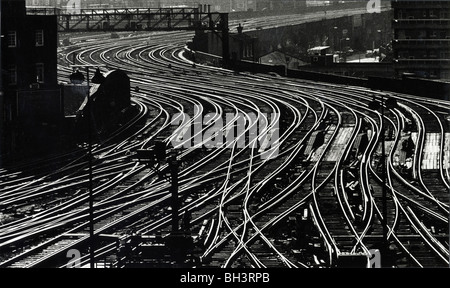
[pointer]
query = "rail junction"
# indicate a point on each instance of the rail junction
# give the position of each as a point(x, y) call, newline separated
point(307, 192)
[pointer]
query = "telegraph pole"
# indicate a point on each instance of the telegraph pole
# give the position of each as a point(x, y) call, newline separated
point(383, 174)
point(91, 195)
point(225, 40)
point(390, 103)
point(173, 166)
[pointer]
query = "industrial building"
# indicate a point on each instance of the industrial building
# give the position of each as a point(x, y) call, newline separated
point(241, 45)
point(422, 38)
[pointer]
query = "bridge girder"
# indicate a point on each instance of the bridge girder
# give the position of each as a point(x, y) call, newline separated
point(141, 19)
point(133, 19)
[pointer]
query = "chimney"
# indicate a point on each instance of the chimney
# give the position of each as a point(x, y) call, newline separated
point(240, 28)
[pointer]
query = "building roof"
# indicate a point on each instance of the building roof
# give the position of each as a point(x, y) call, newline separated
point(279, 53)
point(318, 48)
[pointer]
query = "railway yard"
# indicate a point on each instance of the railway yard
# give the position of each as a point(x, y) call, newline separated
point(304, 192)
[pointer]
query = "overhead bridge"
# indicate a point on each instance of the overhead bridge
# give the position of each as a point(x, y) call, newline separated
point(126, 19)
point(140, 19)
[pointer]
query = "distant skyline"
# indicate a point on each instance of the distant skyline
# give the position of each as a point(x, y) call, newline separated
point(216, 5)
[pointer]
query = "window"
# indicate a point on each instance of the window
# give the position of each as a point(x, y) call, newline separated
point(432, 14)
point(403, 54)
point(7, 113)
point(433, 54)
point(12, 39)
point(422, 34)
point(250, 50)
point(39, 36)
point(40, 72)
point(401, 34)
point(444, 55)
point(445, 74)
point(12, 75)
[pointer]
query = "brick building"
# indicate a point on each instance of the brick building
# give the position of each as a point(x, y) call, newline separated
point(31, 101)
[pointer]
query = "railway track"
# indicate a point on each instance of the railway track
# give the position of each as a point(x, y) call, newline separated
point(272, 172)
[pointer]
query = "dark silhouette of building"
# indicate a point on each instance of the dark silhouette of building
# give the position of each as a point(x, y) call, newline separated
point(111, 105)
point(241, 45)
point(422, 38)
point(111, 100)
point(31, 102)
